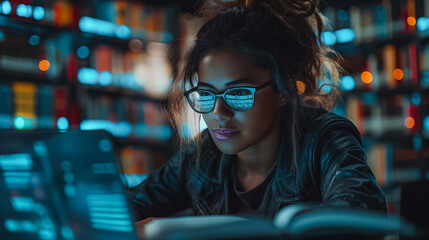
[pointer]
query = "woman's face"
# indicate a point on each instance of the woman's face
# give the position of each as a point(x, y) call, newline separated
point(235, 131)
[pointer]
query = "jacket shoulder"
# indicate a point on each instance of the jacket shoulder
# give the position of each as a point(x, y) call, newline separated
point(320, 122)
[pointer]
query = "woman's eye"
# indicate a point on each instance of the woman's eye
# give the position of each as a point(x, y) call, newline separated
point(240, 92)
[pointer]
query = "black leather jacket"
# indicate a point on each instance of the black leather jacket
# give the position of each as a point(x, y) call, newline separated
point(332, 170)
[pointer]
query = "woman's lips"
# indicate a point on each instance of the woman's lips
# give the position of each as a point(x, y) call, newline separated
point(223, 133)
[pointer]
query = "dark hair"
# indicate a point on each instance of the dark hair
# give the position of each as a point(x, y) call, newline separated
point(281, 36)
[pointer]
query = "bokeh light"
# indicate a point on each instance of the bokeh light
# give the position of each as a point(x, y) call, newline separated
point(38, 13)
point(366, 77)
point(34, 40)
point(83, 52)
point(6, 7)
point(19, 122)
point(44, 65)
point(398, 74)
point(62, 123)
point(409, 122)
point(411, 21)
point(347, 83)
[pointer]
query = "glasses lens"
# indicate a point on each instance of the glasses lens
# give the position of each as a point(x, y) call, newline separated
point(202, 101)
point(240, 99)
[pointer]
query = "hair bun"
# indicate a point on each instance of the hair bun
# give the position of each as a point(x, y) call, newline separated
point(292, 8)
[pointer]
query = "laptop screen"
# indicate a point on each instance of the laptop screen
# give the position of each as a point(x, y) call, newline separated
point(61, 186)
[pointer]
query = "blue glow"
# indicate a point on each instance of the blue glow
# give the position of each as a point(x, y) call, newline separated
point(119, 129)
point(63, 123)
point(423, 24)
point(167, 37)
point(133, 180)
point(123, 32)
point(23, 204)
point(113, 222)
point(416, 99)
point(97, 26)
point(19, 122)
point(345, 35)
point(426, 123)
point(20, 226)
point(110, 215)
point(329, 38)
point(47, 234)
point(108, 209)
point(19, 161)
point(87, 76)
point(34, 40)
point(126, 228)
point(38, 13)
point(417, 142)
point(23, 10)
point(343, 15)
point(17, 180)
point(67, 232)
point(6, 7)
point(162, 132)
point(105, 78)
point(70, 190)
point(347, 83)
point(2, 36)
point(83, 52)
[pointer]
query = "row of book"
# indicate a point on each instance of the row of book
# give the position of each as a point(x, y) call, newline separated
point(424, 66)
point(145, 70)
point(378, 20)
point(392, 164)
point(28, 106)
point(148, 70)
point(64, 13)
point(379, 116)
point(390, 66)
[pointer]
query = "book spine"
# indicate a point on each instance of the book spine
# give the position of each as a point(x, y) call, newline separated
point(414, 75)
point(24, 102)
point(5, 106)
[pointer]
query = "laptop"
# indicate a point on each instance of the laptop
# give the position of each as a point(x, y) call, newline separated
point(62, 185)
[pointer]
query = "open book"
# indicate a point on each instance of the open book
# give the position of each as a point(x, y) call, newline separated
point(301, 221)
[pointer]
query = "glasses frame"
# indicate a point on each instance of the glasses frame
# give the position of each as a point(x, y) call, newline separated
point(222, 95)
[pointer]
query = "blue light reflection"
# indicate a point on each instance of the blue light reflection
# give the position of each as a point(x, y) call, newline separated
point(345, 35)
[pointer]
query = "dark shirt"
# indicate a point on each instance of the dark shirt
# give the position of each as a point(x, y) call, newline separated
point(254, 201)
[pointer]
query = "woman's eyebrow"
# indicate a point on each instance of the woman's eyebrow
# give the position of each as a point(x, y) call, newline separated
point(234, 82)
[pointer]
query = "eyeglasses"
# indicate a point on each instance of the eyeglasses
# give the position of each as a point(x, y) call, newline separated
point(239, 98)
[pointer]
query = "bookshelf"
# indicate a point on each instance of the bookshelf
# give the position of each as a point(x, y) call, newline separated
point(90, 65)
point(386, 86)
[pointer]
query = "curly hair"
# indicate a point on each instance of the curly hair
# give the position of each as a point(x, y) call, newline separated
point(280, 36)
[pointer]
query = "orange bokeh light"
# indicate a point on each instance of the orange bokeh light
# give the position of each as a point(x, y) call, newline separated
point(301, 87)
point(398, 74)
point(409, 122)
point(366, 77)
point(411, 21)
point(44, 65)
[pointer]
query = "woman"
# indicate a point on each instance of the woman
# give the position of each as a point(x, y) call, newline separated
point(252, 74)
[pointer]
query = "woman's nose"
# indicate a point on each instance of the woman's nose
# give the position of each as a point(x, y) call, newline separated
point(222, 112)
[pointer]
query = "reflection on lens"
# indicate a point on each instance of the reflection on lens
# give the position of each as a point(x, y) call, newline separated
point(202, 101)
point(240, 99)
